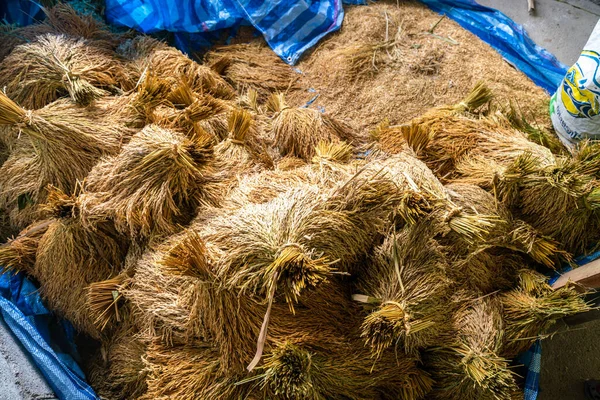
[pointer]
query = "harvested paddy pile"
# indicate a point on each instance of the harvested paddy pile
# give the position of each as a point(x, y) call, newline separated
point(219, 239)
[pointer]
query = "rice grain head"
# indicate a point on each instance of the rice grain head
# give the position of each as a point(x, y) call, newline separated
point(297, 131)
point(54, 66)
point(155, 183)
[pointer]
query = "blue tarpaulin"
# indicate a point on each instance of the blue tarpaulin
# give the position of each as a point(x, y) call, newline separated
point(48, 340)
point(290, 27)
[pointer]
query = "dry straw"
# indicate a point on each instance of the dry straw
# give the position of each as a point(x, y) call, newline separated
point(118, 370)
point(155, 183)
point(406, 285)
point(469, 368)
point(253, 65)
point(71, 257)
point(38, 73)
point(534, 307)
point(58, 145)
point(165, 61)
point(241, 150)
point(560, 199)
point(18, 253)
point(296, 131)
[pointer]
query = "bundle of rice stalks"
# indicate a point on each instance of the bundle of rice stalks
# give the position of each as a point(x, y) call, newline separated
point(458, 148)
point(18, 254)
point(294, 240)
point(253, 66)
point(136, 109)
point(38, 73)
point(560, 200)
point(241, 150)
point(65, 20)
point(193, 113)
point(58, 145)
point(296, 131)
point(508, 233)
point(531, 309)
point(306, 368)
point(407, 288)
point(70, 257)
point(155, 182)
point(469, 367)
point(118, 372)
point(166, 61)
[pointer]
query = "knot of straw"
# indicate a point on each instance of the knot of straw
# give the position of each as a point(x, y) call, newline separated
point(453, 214)
point(287, 246)
point(26, 120)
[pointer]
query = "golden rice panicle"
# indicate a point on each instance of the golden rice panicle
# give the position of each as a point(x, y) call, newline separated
point(241, 150)
point(155, 183)
point(560, 199)
point(168, 62)
point(57, 145)
point(311, 368)
point(469, 367)
point(407, 288)
point(64, 19)
point(297, 131)
point(69, 258)
point(253, 66)
point(530, 310)
point(18, 254)
point(118, 371)
point(54, 66)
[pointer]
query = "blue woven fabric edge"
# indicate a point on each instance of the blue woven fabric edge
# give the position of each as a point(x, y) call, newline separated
point(31, 323)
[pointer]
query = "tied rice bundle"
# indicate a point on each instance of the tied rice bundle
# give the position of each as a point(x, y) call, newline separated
point(155, 183)
point(296, 131)
point(469, 367)
point(38, 73)
point(57, 145)
point(407, 288)
point(118, 370)
point(70, 257)
point(146, 52)
point(533, 307)
point(252, 66)
point(18, 253)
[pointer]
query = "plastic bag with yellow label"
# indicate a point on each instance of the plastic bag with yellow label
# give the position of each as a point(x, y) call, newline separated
point(575, 107)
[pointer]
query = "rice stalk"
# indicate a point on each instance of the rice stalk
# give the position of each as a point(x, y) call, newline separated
point(57, 145)
point(54, 66)
point(254, 66)
point(469, 367)
point(103, 299)
point(297, 131)
point(407, 277)
point(155, 183)
point(117, 372)
point(69, 258)
point(18, 254)
point(528, 314)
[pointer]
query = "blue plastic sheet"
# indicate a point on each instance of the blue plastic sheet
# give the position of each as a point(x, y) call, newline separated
point(507, 37)
point(48, 340)
point(289, 27)
point(20, 12)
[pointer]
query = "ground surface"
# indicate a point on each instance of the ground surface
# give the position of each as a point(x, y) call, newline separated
point(562, 27)
point(19, 378)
